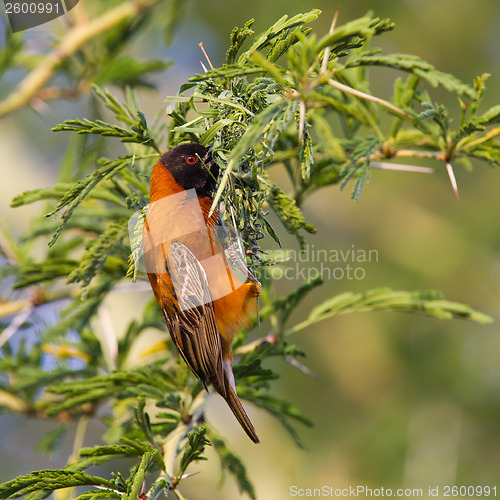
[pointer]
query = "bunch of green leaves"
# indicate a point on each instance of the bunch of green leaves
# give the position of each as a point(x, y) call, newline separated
point(320, 118)
point(292, 98)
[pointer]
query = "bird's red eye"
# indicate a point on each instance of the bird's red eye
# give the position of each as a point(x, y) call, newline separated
point(191, 160)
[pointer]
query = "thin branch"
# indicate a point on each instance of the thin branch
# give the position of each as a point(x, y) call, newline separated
point(401, 168)
point(206, 56)
point(69, 44)
point(302, 119)
point(203, 66)
point(326, 55)
point(410, 153)
point(368, 97)
point(303, 368)
point(489, 135)
point(80, 432)
point(178, 493)
point(453, 180)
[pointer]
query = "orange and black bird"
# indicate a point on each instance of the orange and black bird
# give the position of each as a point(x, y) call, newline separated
point(200, 282)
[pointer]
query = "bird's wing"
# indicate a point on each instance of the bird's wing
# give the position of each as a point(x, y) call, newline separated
point(193, 326)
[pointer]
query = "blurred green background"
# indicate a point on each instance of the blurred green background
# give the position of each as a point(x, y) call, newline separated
point(398, 400)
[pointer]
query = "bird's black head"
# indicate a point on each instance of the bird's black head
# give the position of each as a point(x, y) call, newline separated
point(192, 166)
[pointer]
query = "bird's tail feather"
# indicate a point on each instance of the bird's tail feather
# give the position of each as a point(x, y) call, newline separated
point(239, 412)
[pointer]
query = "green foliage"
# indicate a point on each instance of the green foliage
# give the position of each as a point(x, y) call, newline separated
point(103, 250)
point(230, 462)
point(293, 99)
point(46, 481)
point(283, 411)
point(288, 212)
point(193, 450)
point(359, 165)
point(414, 65)
point(384, 299)
point(137, 132)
